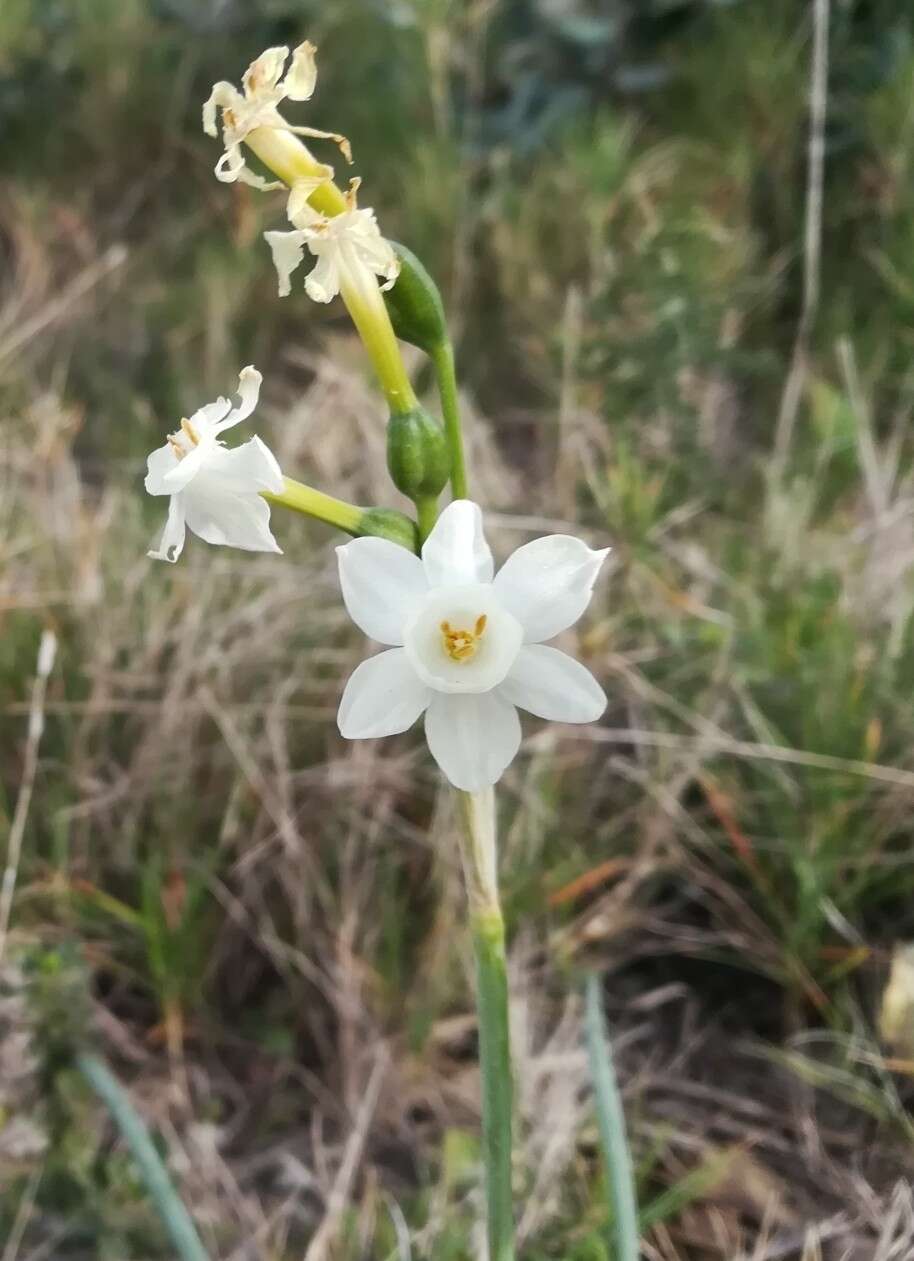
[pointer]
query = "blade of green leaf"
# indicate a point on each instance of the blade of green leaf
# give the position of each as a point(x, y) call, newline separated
point(620, 1181)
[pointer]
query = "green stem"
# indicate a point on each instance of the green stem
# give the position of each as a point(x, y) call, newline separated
point(443, 360)
point(174, 1215)
point(384, 523)
point(611, 1117)
point(364, 301)
point(427, 515)
point(495, 1067)
point(314, 503)
point(488, 931)
point(290, 160)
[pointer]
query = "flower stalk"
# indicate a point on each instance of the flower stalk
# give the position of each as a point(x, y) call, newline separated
point(362, 295)
point(314, 503)
point(443, 361)
point(384, 523)
point(478, 853)
point(427, 514)
point(291, 161)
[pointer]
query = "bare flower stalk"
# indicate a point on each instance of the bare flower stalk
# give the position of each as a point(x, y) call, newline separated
point(365, 303)
point(480, 865)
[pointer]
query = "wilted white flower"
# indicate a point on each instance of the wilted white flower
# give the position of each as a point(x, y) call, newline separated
point(468, 646)
point(214, 489)
point(348, 247)
point(265, 84)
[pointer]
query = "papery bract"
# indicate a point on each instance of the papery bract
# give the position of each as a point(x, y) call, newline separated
point(466, 642)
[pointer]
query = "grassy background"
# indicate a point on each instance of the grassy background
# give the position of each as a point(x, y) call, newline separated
point(261, 926)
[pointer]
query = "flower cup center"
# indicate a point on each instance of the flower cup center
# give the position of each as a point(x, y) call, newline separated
point(462, 645)
point(183, 442)
point(460, 639)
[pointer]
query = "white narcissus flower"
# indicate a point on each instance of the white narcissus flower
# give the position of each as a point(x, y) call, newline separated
point(348, 247)
point(214, 489)
point(467, 646)
point(265, 84)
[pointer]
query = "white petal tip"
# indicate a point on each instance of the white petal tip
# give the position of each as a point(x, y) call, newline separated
point(597, 710)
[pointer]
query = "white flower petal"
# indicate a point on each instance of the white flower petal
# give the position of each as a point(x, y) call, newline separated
point(245, 469)
point(553, 685)
point(287, 249)
point(382, 583)
point(223, 94)
point(186, 469)
point(301, 78)
point(230, 165)
point(547, 584)
point(378, 254)
point(322, 283)
point(245, 175)
point(171, 545)
point(249, 380)
point(456, 551)
point(472, 738)
point(298, 208)
point(160, 462)
point(263, 74)
point(383, 696)
point(206, 419)
point(229, 519)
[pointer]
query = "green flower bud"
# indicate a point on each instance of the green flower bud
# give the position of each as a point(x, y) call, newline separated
point(387, 523)
point(417, 454)
point(414, 303)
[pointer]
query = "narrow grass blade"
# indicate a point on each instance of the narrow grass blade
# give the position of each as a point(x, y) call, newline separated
point(620, 1179)
point(174, 1215)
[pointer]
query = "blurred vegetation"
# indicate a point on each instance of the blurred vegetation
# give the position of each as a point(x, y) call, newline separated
point(612, 196)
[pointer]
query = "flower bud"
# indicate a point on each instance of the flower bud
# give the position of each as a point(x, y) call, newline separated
point(417, 454)
point(387, 523)
point(414, 303)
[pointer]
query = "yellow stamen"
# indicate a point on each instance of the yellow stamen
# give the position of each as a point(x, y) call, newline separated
point(352, 193)
point(176, 441)
point(462, 645)
point(187, 427)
